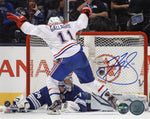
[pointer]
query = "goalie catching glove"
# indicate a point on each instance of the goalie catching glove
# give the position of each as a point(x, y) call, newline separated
point(19, 19)
point(70, 106)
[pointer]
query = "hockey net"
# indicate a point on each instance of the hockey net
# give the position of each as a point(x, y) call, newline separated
point(118, 59)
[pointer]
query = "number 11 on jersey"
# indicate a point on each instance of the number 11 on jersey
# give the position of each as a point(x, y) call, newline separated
point(62, 38)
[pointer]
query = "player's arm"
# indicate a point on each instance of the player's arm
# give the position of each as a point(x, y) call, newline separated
point(82, 21)
point(25, 26)
point(37, 30)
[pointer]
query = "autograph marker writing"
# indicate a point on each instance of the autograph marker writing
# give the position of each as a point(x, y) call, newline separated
point(122, 62)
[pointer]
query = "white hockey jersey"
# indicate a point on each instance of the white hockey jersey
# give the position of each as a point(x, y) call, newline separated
point(61, 38)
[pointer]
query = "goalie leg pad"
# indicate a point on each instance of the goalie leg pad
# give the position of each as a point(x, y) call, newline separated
point(21, 103)
point(102, 91)
point(96, 87)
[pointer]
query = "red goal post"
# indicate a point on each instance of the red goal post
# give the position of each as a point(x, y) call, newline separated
point(114, 41)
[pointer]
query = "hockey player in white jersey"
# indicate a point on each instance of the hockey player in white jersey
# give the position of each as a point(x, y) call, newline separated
point(61, 39)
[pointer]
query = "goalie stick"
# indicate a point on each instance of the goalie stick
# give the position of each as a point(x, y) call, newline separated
point(79, 35)
point(22, 110)
point(8, 108)
point(13, 108)
point(64, 108)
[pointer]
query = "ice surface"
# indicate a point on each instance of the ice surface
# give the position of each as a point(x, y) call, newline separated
point(81, 115)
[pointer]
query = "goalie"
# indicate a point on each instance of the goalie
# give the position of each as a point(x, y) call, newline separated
point(73, 99)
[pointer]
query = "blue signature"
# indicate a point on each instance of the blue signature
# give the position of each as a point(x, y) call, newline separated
point(122, 62)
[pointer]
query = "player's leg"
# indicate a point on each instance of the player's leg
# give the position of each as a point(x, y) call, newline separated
point(54, 95)
point(39, 98)
point(20, 104)
point(101, 90)
point(85, 75)
point(58, 73)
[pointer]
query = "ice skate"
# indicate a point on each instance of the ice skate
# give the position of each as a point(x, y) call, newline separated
point(55, 108)
point(112, 100)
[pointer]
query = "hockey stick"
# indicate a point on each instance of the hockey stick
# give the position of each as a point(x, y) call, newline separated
point(10, 109)
point(79, 35)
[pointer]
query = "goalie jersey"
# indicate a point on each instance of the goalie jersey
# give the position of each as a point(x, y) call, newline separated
point(61, 38)
point(41, 97)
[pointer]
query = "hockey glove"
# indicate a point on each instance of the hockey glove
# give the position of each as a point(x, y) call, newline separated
point(87, 10)
point(19, 19)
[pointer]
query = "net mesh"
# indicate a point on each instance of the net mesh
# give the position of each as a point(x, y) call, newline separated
point(116, 61)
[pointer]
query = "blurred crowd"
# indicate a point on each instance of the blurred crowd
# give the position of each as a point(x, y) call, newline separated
point(108, 15)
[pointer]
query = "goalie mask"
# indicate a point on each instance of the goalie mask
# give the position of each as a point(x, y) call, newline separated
point(66, 84)
point(54, 20)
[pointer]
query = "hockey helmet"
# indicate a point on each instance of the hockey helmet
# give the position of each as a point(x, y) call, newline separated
point(67, 84)
point(54, 20)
